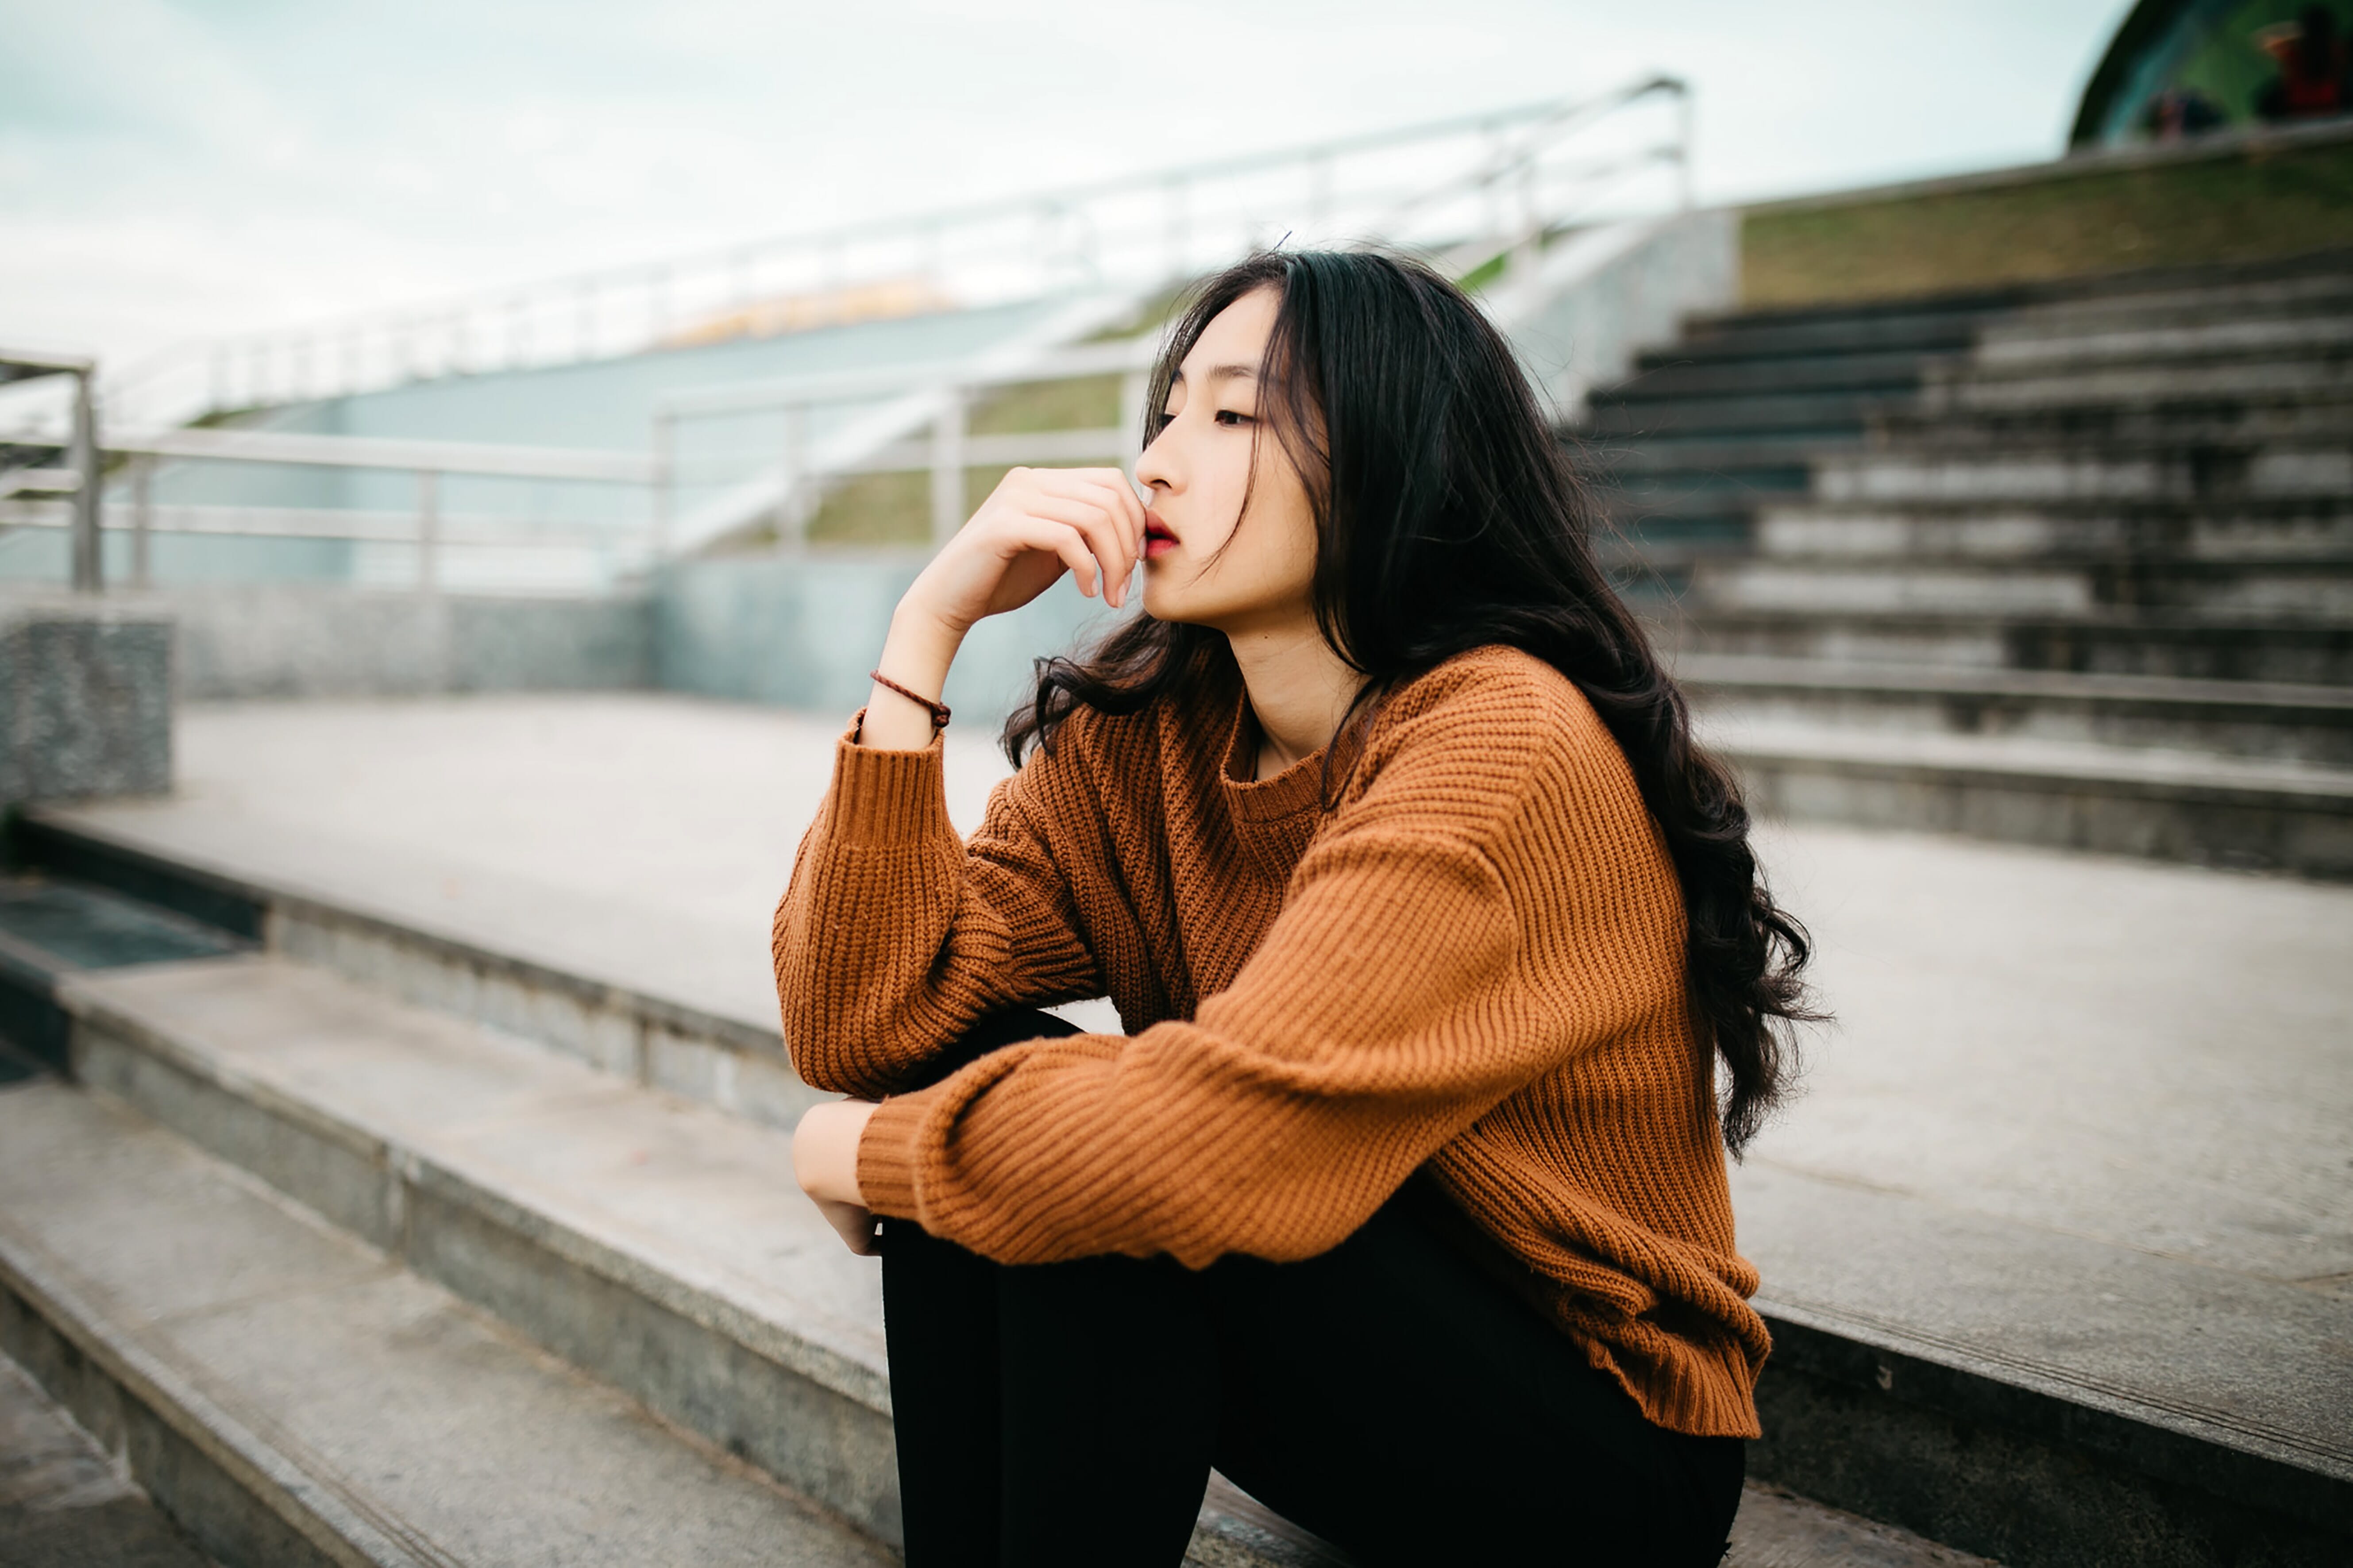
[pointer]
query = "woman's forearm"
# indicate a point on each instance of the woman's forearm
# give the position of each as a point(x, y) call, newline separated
point(916, 654)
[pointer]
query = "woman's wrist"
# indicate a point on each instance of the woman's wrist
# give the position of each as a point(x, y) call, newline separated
point(917, 655)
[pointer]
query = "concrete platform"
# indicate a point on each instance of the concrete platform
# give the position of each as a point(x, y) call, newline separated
point(2077, 1144)
point(649, 1241)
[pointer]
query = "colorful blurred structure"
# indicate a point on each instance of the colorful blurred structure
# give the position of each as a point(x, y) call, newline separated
point(2190, 67)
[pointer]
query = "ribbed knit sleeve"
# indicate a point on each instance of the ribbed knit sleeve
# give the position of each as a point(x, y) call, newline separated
point(894, 936)
point(1394, 1002)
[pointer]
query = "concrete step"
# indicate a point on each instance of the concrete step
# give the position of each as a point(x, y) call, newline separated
point(290, 1396)
point(2235, 719)
point(812, 1307)
point(2169, 646)
point(648, 1240)
point(2163, 805)
point(1772, 458)
point(2322, 292)
point(2173, 421)
point(1980, 387)
point(1640, 541)
point(2084, 471)
point(1809, 415)
point(2246, 529)
point(1930, 326)
point(2316, 587)
point(1663, 375)
point(616, 1225)
point(2045, 343)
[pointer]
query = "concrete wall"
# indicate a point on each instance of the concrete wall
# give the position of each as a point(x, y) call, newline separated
point(262, 640)
point(799, 631)
point(85, 700)
point(804, 629)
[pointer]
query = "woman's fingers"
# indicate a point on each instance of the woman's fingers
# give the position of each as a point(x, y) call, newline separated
point(1111, 486)
point(853, 1224)
point(1106, 540)
point(1059, 539)
point(1089, 519)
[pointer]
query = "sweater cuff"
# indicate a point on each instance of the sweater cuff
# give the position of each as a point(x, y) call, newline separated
point(887, 1155)
point(882, 798)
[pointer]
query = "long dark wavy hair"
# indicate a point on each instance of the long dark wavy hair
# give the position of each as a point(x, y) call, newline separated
point(1448, 518)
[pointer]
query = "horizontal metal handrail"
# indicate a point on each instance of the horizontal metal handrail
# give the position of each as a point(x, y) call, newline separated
point(1154, 221)
point(1118, 356)
point(386, 452)
point(374, 526)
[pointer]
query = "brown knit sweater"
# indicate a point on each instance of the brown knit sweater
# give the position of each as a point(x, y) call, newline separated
point(1472, 966)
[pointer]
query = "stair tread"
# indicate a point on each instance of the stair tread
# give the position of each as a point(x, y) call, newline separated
point(2156, 622)
point(2177, 773)
point(410, 1426)
point(2046, 1310)
point(2207, 558)
point(660, 1189)
point(2217, 506)
point(1736, 670)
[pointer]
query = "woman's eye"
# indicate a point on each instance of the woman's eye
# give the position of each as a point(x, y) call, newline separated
point(1232, 417)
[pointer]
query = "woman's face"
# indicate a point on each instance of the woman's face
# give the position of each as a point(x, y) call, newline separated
point(1201, 564)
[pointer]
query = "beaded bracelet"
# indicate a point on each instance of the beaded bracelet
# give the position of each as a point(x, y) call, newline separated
point(939, 710)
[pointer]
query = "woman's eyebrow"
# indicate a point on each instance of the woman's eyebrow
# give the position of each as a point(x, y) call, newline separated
point(1220, 372)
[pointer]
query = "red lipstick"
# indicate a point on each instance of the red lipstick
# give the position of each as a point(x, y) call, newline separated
point(1157, 538)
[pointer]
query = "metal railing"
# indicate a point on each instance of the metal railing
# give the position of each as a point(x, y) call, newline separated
point(78, 476)
point(427, 527)
point(949, 449)
point(430, 530)
point(1492, 173)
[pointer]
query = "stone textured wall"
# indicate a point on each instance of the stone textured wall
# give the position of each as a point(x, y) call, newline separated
point(85, 702)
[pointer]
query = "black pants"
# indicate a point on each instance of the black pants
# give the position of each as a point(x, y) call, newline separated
point(1391, 1395)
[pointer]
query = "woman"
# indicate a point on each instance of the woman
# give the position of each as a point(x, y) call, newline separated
point(1402, 1202)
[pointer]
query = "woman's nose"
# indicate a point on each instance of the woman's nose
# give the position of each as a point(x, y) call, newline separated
point(1156, 468)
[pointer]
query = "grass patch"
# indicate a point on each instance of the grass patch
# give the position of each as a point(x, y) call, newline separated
point(2246, 206)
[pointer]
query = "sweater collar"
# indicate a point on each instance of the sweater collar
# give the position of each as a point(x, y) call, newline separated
point(1298, 788)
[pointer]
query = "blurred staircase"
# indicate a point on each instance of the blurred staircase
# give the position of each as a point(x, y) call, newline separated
point(2070, 566)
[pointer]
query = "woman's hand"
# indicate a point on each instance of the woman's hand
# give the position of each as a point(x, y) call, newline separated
point(825, 1163)
point(1035, 525)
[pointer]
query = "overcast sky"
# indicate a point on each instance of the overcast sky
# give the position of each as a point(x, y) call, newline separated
point(176, 170)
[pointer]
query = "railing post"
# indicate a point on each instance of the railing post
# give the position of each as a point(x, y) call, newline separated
point(142, 521)
point(1180, 238)
point(1133, 387)
point(799, 503)
point(947, 465)
point(1529, 249)
point(1683, 144)
point(584, 333)
point(88, 561)
point(665, 458)
point(428, 532)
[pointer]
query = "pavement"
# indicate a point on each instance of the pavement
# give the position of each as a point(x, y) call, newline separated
point(2089, 1120)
